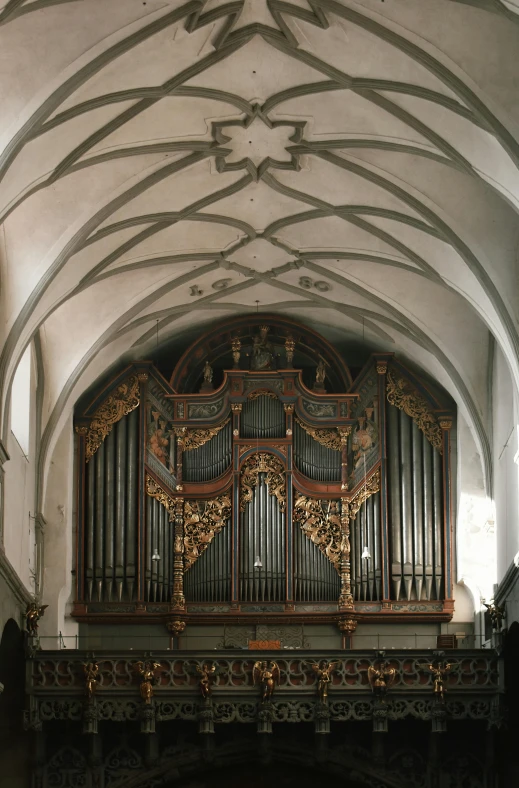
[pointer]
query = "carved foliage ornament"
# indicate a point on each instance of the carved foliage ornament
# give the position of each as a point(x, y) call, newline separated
point(404, 396)
point(321, 523)
point(193, 439)
point(155, 491)
point(202, 521)
point(258, 463)
point(333, 438)
point(124, 399)
point(371, 486)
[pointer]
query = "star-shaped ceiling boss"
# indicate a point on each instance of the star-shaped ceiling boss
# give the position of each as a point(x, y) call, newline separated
point(257, 144)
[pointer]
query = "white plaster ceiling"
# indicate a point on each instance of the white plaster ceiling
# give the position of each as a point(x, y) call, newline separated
point(167, 164)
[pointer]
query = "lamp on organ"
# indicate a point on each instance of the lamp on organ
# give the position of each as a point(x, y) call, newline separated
point(257, 563)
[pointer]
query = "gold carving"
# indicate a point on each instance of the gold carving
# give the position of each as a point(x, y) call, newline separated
point(330, 438)
point(404, 396)
point(193, 439)
point(381, 367)
point(125, 398)
point(202, 521)
point(155, 491)
point(289, 407)
point(262, 462)
point(176, 627)
point(348, 626)
point(371, 486)
point(262, 393)
point(321, 523)
point(446, 423)
point(237, 407)
point(236, 347)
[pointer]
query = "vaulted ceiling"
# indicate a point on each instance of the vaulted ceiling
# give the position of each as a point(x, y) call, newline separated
point(167, 164)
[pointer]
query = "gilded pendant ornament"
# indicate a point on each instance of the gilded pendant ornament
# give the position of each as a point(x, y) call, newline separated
point(193, 439)
point(320, 521)
point(262, 393)
point(333, 438)
point(371, 486)
point(154, 490)
point(202, 521)
point(125, 398)
point(404, 396)
point(262, 462)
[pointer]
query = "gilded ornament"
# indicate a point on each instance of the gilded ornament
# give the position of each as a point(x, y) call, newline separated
point(348, 626)
point(330, 438)
point(202, 521)
point(193, 439)
point(371, 486)
point(258, 463)
point(404, 396)
point(267, 675)
point(155, 491)
point(125, 398)
point(91, 671)
point(236, 407)
point(262, 393)
point(288, 407)
point(381, 676)
point(32, 615)
point(321, 523)
point(176, 627)
point(148, 672)
point(381, 367)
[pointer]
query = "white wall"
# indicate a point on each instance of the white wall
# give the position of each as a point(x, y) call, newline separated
point(506, 470)
point(19, 500)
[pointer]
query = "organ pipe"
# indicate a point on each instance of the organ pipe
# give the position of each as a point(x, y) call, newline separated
point(263, 417)
point(416, 509)
point(111, 503)
point(209, 460)
point(314, 460)
point(365, 532)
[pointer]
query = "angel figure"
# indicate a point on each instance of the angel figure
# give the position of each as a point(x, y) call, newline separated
point(207, 673)
point(320, 374)
point(439, 670)
point(32, 615)
point(147, 671)
point(91, 671)
point(266, 674)
point(323, 671)
point(381, 678)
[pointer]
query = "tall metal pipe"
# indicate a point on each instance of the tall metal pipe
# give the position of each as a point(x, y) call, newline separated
point(407, 501)
point(99, 458)
point(132, 501)
point(109, 513)
point(418, 519)
point(120, 505)
point(437, 521)
point(90, 528)
point(428, 484)
point(395, 500)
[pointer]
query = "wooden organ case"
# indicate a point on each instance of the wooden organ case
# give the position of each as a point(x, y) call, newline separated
point(262, 483)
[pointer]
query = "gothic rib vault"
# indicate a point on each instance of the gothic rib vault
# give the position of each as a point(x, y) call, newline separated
point(166, 162)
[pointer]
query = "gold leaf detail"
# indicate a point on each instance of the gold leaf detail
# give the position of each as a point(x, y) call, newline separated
point(262, 393)
point(404, 396)
point(155, 491)
point(261, 462)
point(371, 486)
point(330, 438)
point(320, 521)
point(202, 521)
point(193, 439)
point(125, 398)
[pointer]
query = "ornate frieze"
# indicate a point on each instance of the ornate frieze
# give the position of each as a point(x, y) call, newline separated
point(193, 439)
point(155, 491)
point(320, 521)
point(371, 486)
point(122, 401)
point(202, 521)
point(332, 438)
point(404, 396)
point(258, 463)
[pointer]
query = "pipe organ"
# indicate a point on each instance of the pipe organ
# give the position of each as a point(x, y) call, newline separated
point(288, 490)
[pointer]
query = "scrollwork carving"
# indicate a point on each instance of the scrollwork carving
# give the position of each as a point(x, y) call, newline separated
point(125, 398)
point(371, 487)
point(320, 521)
point(333, 438)
point(155, 491)
point(202, 521)
point(193, 439)
point(261, 462)
point(404, 396)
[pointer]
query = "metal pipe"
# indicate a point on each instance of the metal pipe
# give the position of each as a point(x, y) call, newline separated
point(438, 521)
point(407, 500)
point(418, 521)
point(132, 501)
point(99, 459)
point(377, 554)
point(90, 528)
point(394, 499)
point(120, 505)
point(427, 450)
point(109, 513)
point(150, 505)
